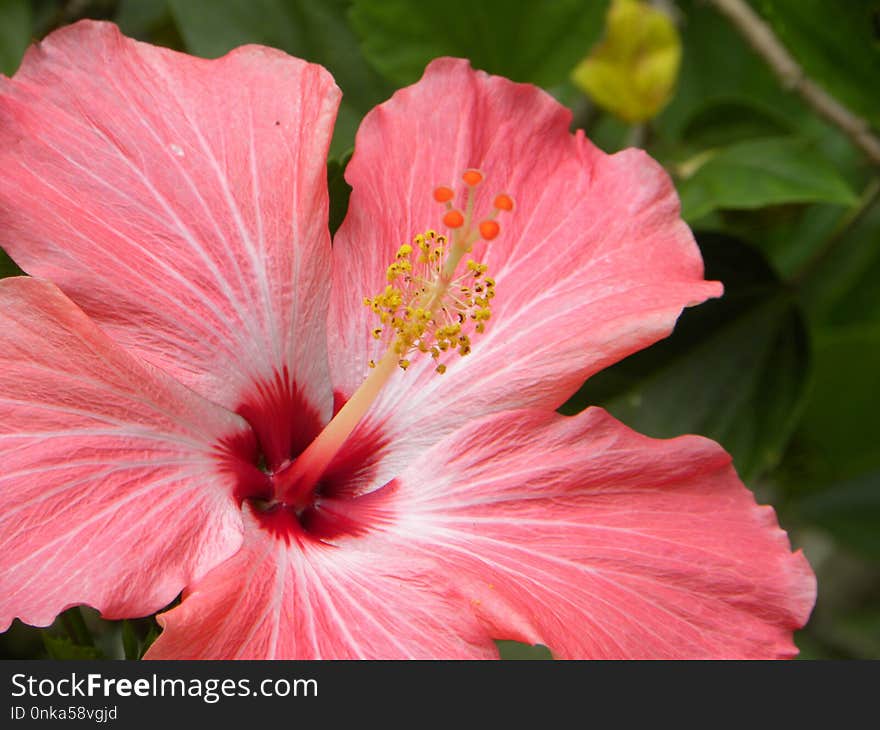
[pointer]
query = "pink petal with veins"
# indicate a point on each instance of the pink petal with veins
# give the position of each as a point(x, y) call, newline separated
point(180, 202)
point(115, 491)
point(592, 264)
point(303, 599)
point(600, 543)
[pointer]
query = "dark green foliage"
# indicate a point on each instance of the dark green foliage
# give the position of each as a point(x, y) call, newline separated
point(525, 41)
point(757, 173)
point(735, 368)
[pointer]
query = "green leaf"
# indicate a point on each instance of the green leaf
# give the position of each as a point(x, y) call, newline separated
point(15, 33)
point(340, 191)
point(152, 635)
point(61, 647)
point(849, 510)
point(861, 303)
point(7, 266)
point(839, 288)
point(718, 65)
point(836, 43)
point(525, 41)
point(735, 369)
point(837, 438)
point(859, 633)
point(727, 121)
point(131, 644)
point(758, 173)
point(516, 650)
point(140, 18)
point(316, 30)
point(789, 235)
point(74, 623)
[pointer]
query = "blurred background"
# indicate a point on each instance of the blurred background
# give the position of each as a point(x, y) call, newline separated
point(734, 98)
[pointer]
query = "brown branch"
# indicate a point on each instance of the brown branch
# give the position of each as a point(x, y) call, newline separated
point(792, 76)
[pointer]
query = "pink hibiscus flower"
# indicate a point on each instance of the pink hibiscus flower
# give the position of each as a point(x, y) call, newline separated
point(166, 401)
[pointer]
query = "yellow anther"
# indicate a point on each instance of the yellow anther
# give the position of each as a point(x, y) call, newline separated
point(477, 268)
point(398, 268)
point(436, 298)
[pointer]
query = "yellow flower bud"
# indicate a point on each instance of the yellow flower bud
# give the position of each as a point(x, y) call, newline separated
point(633, 70)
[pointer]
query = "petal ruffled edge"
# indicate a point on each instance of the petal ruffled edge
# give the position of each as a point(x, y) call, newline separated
point(580, 534)
point(184, 208)
point(114, 491)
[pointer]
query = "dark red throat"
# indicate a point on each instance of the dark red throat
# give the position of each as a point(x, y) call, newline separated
point(283, 424)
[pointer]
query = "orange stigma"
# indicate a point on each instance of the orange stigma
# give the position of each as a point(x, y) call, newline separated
point(489, 230)
point(472, 177)
point(453, 219)
point(503, 202)
point(462, 219)
point(444, 194)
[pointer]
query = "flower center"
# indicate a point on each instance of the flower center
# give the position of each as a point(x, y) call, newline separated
point(336, 505)
point(432, 305)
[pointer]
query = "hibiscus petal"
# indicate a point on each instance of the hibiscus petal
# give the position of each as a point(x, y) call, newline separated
point(309, 600)
point(180, 202)
point(585, 536)
point(593, 264)
point(112, 493)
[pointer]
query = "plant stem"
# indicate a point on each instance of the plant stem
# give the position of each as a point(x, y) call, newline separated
point(637, 135)
point(759, 35)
